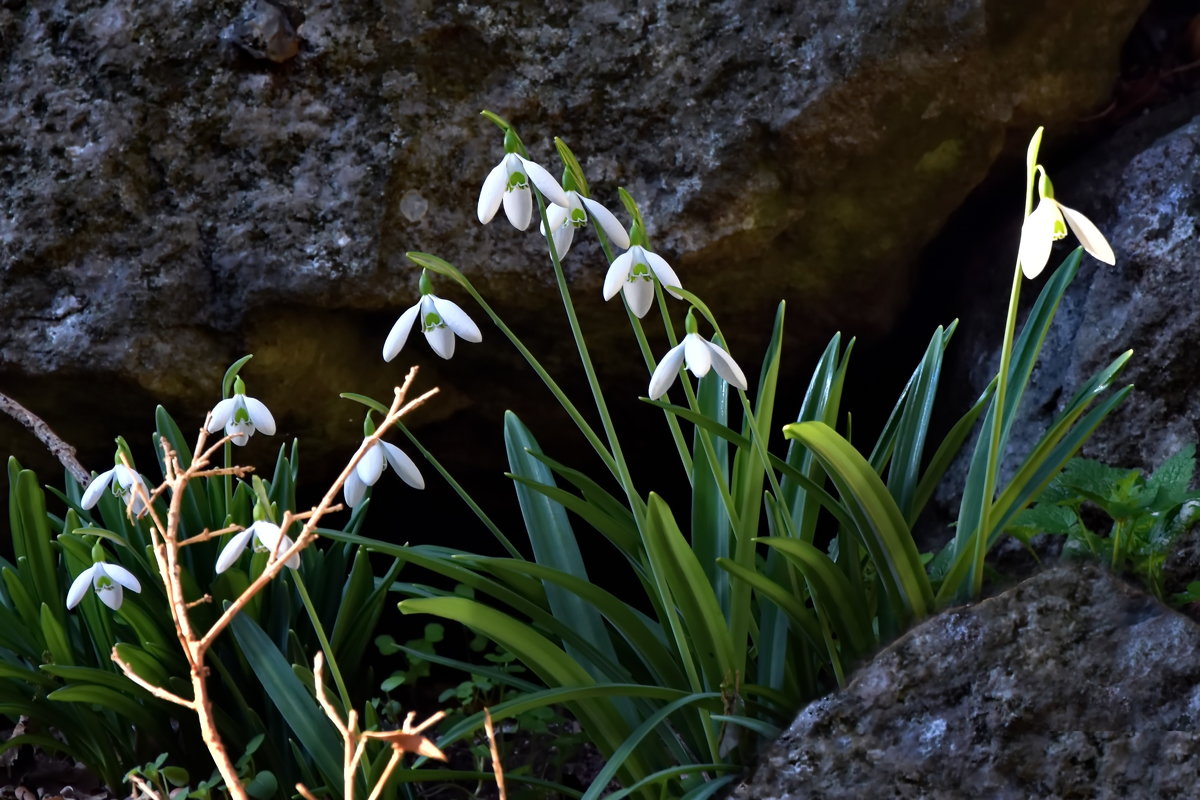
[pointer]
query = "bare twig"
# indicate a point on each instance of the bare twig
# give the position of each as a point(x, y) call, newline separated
point(164, 534)
point(406, 740)
point(145, 788)
point(54, 443)
point(497, 768)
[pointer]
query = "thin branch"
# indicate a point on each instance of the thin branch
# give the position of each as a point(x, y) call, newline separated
point(157, 691)
point(497, 768)
point(54, 443)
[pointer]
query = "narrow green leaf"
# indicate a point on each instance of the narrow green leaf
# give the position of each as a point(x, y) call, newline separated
point(675, 564)
point(879, 522)
point(292, 698)
point(552, 538)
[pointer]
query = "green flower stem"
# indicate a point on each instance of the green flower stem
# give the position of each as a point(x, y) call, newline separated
point(637, 505)
point(551, 384)
point(227, 481)
point(685, 457)
point(993, 460)
point(323, 639)
point(462, 493)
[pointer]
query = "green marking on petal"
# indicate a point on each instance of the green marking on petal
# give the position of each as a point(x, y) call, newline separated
point(431, 321)
point(241, 415)
point(103, 582)
point(1060, 229)
point(578, 218)
point(517, 180)
point(640, 271)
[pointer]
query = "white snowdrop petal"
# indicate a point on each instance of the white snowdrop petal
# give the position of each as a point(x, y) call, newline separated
point(491, 194)
point(608, 223)
point(1037, 238)
point(556, 216)
point(399, 333)
point(441, 339)
point(457, 320)
point(232, 549)
point(727, 368)
point(545, 182)
point(564, 235)
point(640, 296)
point(260, 415)
point(1089, 235)
point(617, 274)
point(404, 466)
point(122, 576)
point(662, 270)
point(697, 355)
point(665, 372)
point(79, 586)
point(91, 495)
point(518, 207)
point(240, 431)
point(370, 466)
point(354, 489)
point(112, 596)
point(221, 414)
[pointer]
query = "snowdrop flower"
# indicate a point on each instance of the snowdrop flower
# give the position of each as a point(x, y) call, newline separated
point(370, 467)
point(123, 480)
point(508, 182)
point(634, 271)
point(266, 536)
point(564, 221)
point(109, 581)
point(241, 416)
point(440, 321)
point(1046, 224)
point(699, 355)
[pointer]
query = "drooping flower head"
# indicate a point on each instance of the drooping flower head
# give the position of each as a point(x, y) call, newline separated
point(241, 416)
point(109, 582)
point(1048, 223)
point(634, 272)
point(124, 483)
point(579, 209)
point(440, 320)
point(508, 183)
point(266, 536)
point(699, 355)
point(368, 469)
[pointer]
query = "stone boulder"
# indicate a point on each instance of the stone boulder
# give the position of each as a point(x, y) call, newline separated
point(182, 183)
point(1071, 684)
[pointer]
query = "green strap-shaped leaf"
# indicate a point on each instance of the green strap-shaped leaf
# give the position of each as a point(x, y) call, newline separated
point(879, 522)
point(297, 706)
point(647, 643)
point(842, 606)
point(552, 538)
point(31, 536)
point(675, 564)
point(545, 659)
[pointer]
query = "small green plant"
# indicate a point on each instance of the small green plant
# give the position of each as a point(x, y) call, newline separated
point(763, 584)
point(1143, 514)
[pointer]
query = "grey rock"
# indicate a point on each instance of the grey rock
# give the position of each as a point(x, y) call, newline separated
point(1070, 685)
point(181, 183)
point(1142, 188)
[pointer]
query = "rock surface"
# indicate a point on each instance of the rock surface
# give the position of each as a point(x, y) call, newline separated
point(181, 183)
point(1142, 188)
point(1070, 685)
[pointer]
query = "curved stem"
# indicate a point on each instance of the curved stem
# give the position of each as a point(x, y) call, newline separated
point(326, 647)
point(589, 369)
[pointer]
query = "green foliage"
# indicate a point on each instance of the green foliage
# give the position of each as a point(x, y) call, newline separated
point(1145, 514)
point(55, 665)
point(770, 580)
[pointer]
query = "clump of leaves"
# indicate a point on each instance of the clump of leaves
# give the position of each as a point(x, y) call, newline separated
point(1143, 514)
